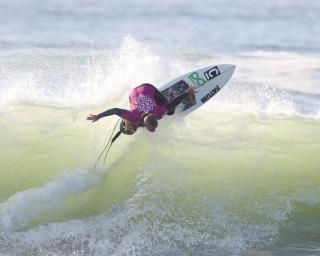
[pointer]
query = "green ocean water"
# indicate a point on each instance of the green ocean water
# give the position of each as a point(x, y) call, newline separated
point(229, 183)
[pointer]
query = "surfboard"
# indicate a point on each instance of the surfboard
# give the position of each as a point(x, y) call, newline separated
point(209, 81)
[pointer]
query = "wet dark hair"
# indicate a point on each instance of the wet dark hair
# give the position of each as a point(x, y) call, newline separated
point(151, 120)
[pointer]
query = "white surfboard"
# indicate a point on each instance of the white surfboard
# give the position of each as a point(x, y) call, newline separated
point(209, 81)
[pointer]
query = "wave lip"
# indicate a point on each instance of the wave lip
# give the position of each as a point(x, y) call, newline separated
point(28, 205)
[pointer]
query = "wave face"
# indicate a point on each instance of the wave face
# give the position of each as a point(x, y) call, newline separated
point(225, 184)
point(239, 176)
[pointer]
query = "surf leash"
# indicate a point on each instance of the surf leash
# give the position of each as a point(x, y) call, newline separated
point(108, 145)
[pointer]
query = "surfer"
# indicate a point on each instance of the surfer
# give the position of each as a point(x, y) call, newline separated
point(148, 105)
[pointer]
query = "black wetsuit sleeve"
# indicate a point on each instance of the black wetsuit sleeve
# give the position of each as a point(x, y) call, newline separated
point(176, 101)
point(160, 98)
point(113, 111)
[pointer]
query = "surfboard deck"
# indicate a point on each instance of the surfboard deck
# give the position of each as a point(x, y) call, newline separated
point(209, 81)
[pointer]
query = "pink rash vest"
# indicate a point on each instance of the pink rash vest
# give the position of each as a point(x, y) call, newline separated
point(142, 100)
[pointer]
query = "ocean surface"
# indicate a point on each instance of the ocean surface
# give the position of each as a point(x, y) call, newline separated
point(239, 176)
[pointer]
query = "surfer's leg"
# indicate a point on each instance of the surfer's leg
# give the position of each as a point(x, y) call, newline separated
point(160, 98)
point(113, 111)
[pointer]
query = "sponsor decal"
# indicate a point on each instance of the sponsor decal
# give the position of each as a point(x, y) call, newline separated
point(211, 73)
point(194, 77)
point(210, 94)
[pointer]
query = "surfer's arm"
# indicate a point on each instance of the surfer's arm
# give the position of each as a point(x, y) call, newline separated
point(125, 114)
point(113, 111)
point(188, 94)
point(175, 102)
point(160, 98)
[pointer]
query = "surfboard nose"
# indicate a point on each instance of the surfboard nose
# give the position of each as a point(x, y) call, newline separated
point(227, 68)
point(232, 68)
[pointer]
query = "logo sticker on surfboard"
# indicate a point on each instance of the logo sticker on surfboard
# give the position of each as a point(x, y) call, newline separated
point(210, 94)
point(211, 73)
point(194, 77)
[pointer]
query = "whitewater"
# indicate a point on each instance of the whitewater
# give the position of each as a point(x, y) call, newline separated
point(239, 176)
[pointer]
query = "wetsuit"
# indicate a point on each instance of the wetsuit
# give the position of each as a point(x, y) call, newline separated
point(146, 99)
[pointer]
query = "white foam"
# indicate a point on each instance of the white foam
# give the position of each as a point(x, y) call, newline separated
point(161, 219)
point(24, 206)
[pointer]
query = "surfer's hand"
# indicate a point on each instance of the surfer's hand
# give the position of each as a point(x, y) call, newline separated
point(191, 91)
point(93, 118)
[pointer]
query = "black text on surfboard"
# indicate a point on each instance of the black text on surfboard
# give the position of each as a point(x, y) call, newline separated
point(210, 94)
point(212, 73)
